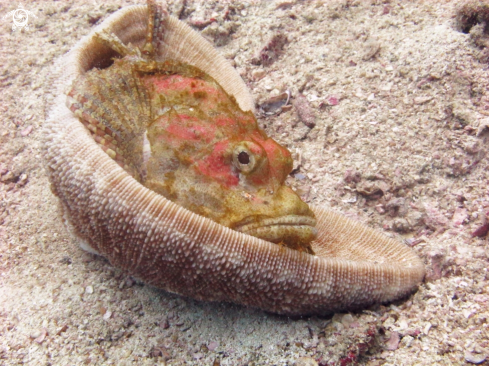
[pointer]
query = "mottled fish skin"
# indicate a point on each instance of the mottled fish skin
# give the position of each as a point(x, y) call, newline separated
point(204, 152)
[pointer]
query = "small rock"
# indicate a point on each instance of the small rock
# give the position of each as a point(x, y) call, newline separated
point(463, 115)
point(380, 209)
point(212, 346)
point(130, 282)
point(352, 176)
point(179, 323)
point(284, 4)
point(422, 100)
point(304, 111)
point(371, 48)
point(401, 225)
point(482, 230)
point(8, 177)
point(274, 104)
point(474, 358)
point(483, 126)
point(371, 189)
point(35, 334)
point(459, 216)
point(165, 324)
point(63, 329)
point(407, 341)
point(332, 100)
point(396, 206)
point(438, 260)
point(26, 131)
point(22, 180)
point(271, 51)
point(258, 74)
point(40, 336)
point(481, 298)
point(306, 361)
point(434, 218)
point(389, 322)
point(116, 336)
point(92, 19)
point(89, 290)
point(346, 320)
point(472, 146)
point(413, 332)
point(297, 156)
point(107, 315)
point(393, 343)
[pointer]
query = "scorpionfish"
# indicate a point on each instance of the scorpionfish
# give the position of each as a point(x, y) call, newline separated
point(176, 130)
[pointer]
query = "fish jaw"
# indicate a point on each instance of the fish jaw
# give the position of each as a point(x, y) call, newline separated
point(281, 218)
point(293, 231)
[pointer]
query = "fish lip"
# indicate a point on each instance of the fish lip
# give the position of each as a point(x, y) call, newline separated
point(248, 224)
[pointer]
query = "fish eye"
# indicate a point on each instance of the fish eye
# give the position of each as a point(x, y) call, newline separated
point(246, 156)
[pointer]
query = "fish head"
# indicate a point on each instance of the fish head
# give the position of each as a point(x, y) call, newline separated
point(210, 157)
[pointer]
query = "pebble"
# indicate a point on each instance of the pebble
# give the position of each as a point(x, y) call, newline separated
point(407, 341)
point(306, 361)
point(212, 346)
point(271, 51)
point(459, 216)
point(22, 180)
point(275, 104)
point(304, 111)
point(41, 336)
point(422, 100)
point(26, 131)
point(258, 74)
point(393, 343)
point(474, 358)
point(347, 320)
point(371, 48)
point(481, 298)
point(483, 125)
point(63, 329)
point(89, 290)
point(107, 315)
point(482, 230)
point(8, 177)
point(165, 324)
point(332, 100)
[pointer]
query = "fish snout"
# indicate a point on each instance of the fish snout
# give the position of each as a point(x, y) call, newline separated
point(288, 221)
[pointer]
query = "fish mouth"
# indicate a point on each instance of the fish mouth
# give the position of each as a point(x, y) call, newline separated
point(294, 231)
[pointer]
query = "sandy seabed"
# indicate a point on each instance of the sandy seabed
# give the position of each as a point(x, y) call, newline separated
point(400, 100)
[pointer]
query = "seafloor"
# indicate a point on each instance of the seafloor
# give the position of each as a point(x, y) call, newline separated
point(400, 100)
